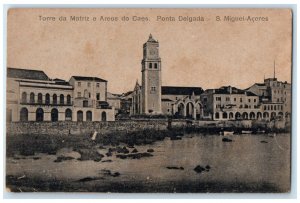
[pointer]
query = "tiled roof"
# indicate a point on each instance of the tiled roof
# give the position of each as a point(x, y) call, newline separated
point(83, 78)
point(234, 90)
point(26, 74)
point(173, 90)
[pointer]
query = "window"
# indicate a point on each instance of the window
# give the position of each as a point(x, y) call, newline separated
point(61, 99)
point(40, 98)
point(31, 97)
point(24, 97)
point(79, 84)
point(254, 100)
point(47, 99)
point(205, 99)
point(234, 99)
point(155, 65)
point(153, 89)
point(78, 94)
point(241, 99)
point(227, 99)
point(98, 96)
point(97, 84)
point(89, 84)
point(54, 99)
point(69, 99)
point(150, 65)
point(249, 100)
point(218, 98)
point(89, 95)
point(168, 110)
point(85, 103)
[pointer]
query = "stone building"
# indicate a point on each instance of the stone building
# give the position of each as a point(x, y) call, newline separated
point(151, 98)
point(274, 96)
point(230, 103)
point(33, 96)
point(114, 100)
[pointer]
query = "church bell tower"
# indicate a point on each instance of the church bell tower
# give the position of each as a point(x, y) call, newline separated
point(151, 78)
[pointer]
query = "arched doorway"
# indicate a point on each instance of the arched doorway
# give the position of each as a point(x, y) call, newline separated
point(103, 116)
point(89, 116)
point(199, 110)
point(217, 115)
point(273, 115)
point(252, 115)
point(189, 110)
point(230, 115)
point(259, 115)
point(24, 114)
point(266, 115)
point(237, 116)
point(181, 110)
point(280, 114)
point(79, 116)
point(39, 114)
point(224, 115)
point(54, 115)
point(245, 115)
point(68, 115)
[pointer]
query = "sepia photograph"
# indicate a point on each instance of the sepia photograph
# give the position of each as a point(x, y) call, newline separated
point(149, 100)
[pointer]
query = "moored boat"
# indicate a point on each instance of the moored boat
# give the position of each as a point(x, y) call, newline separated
point(225, 133)
point(246, 131)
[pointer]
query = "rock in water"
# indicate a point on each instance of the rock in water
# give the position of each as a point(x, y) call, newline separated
point(150, 150)
point(134, 150)
point(263, 141)
point(199, 169)
point(225, 139)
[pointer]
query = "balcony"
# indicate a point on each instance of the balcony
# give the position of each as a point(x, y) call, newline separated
point(44, 103)
point(102, 105)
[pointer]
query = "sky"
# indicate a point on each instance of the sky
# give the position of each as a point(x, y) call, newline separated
point(207, 54)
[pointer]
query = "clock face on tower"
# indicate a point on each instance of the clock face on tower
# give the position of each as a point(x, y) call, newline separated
point(152, 52)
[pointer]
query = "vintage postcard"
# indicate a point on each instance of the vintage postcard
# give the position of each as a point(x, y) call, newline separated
point(149, 100)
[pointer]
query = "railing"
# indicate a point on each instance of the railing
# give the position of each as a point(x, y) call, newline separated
point(46, 103)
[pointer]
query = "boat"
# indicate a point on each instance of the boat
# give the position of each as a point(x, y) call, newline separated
point(246, 131)
point(225, 133)
point(260, 131)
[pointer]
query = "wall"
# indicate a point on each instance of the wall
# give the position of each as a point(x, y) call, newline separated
point(84, 128)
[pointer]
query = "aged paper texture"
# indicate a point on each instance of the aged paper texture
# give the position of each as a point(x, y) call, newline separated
point(148, 100)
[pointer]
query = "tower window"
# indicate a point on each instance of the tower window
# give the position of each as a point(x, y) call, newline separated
point(155, 65)
point(150, 65)
point(153, 89)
